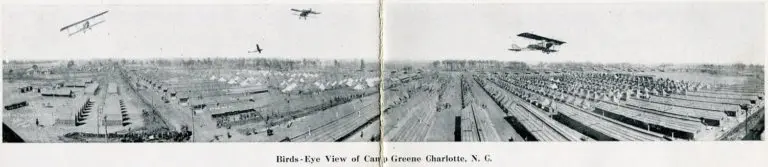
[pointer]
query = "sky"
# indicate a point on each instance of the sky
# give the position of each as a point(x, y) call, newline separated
point(341, 31)
point(602, 33)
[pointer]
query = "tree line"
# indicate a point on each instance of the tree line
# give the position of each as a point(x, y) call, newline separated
point(455, 65)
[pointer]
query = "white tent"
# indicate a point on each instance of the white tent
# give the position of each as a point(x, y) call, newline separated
point(290, 87)
point(359, 87)
point(371, 82)
point(552, 86)
point(321, 87)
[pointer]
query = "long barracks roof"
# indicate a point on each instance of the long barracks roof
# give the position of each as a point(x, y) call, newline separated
point(672, 123)
point(214, 100)
point(195, 88)
point(220, 92)
point(92, 88)
point(191, 84)
point(231, 109)
point(57, 92)
point(665, 107)
point(248, 89)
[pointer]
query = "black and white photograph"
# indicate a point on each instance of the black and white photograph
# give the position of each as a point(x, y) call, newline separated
point(372, 83)
point(271, 72)
point(581, 72)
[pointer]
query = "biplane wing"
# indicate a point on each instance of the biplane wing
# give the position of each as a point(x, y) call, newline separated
point(83, 21)
point(540, 38)
point(295, 10)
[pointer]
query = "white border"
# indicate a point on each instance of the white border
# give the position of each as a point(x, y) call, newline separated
point(595, 154)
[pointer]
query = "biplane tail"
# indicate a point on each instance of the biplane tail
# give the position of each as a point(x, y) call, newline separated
point(515, 47)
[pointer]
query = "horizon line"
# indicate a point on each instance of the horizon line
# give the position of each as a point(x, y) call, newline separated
point(573, 61)
point(183, 58)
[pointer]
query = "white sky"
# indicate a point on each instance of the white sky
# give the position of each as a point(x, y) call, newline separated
point(342, 31)
point(635, 33)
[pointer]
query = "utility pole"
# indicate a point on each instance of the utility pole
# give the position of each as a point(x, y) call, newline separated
point(193, 125)
point(98, 123)
point(106, 133)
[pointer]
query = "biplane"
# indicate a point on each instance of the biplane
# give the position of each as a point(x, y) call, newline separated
point(258, 49)
point(305, 12)
point(545, 44)
point(86, 24)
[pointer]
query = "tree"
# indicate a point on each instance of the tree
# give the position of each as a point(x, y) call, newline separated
point(740, 66)
point(407, 68)
point(362, 65)
point(71, 64)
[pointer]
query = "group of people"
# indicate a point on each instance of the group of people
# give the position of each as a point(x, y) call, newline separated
point(182, 135)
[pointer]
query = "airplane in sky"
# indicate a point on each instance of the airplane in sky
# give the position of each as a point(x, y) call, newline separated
point(545, 44)
point(85, 24)
point(258, 49)
point(303, 13)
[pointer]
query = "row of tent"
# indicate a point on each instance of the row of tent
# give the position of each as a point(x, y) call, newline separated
point(290, 82)
point(357, 84)
point(277, 73)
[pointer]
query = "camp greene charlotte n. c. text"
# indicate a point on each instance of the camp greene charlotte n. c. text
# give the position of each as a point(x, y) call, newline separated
point(392, 158)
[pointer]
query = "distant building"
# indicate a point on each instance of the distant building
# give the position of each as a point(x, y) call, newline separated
point(25, 89)
point(75, 84)
point(58, 93)
point(92, 89)
point(234, 115)
point(183, 99)
point(248, 90)
point(59, 83)
point(12, 104)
